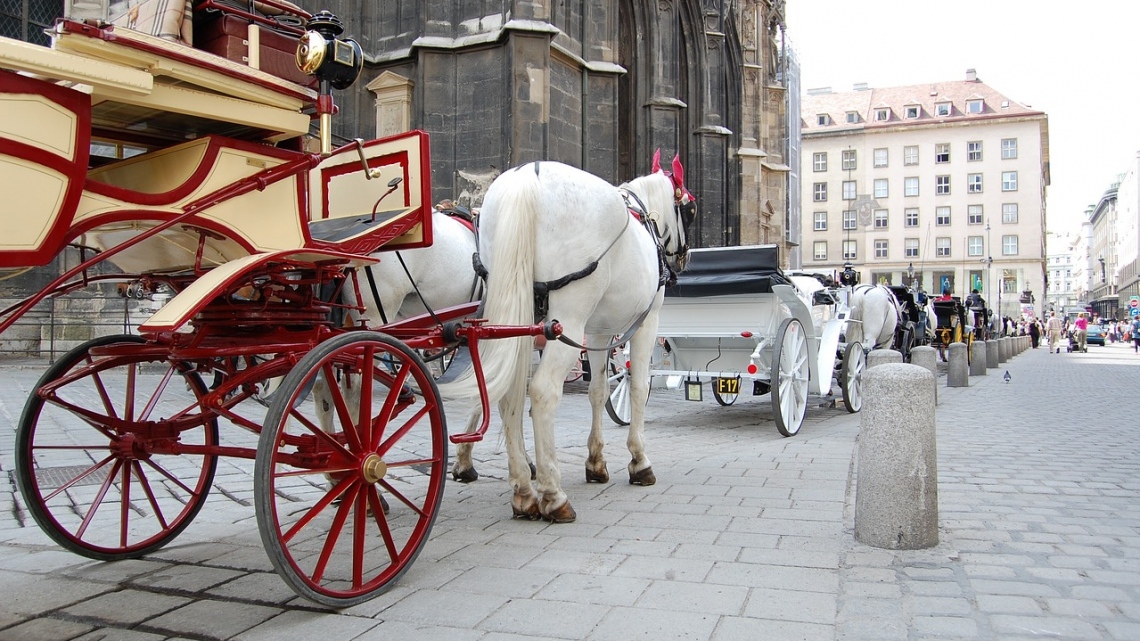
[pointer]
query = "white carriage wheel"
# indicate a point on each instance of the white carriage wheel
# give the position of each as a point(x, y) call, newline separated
point(790, 377)
point(850, 377)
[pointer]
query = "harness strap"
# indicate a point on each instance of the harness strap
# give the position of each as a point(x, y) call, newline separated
point(618, 341)
point(375, 293)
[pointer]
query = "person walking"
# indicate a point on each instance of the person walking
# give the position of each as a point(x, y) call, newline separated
point(1135, 330)
point(1034, 334)
point(1082, 330)
point(1053, 329)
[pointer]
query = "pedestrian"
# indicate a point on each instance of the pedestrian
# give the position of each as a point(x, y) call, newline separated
point(1053, 327)
point(1135, 330)
point(1081, 326)
point(1034, 334)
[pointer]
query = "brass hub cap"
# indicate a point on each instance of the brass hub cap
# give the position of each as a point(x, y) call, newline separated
point(374, 468)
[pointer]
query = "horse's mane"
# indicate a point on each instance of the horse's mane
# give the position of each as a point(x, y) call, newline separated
point(656, 191)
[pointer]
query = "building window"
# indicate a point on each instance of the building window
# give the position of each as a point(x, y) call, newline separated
point(880, 248)
point(820, 250)
point(1009, 245)
point(974, 246)
point(881, 219)
point(852, 117)
point(1008, 148)
point(819, 192)
point(881, 188)
point(882, 114)
point(942, 185)
point(974, 214)
point(974, 183)
point(28, 21)
point(849, 190)
point(1009, 213)
point(881, 157)
point(974, 151)
point(975, 106)
point(942, 109)
point(942, 216)
point(910, 155)
point(942, 247)
point(1009, 181)
point(820, 221)
point(911, 247)
point(819, 161)
point(913, 111)
point(849, 250)
point(823, 120)
point(849, 219)
point(848, 159)
point(910, 217)
point(942, 152)
point(910, 186)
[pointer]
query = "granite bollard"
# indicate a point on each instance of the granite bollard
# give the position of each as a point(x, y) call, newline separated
point(1003, 350)
point(882, 356)
point(896, 489)
point(992, 353)
point(957, 368)
point(978, 354)
point(927, 357)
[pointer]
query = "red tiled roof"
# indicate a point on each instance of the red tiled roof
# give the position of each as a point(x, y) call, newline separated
point(956, 92)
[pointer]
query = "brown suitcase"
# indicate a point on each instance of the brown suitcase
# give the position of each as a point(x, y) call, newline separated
point(225, 35)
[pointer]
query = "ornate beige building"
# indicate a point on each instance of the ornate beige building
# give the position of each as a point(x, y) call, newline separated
point(945, 181)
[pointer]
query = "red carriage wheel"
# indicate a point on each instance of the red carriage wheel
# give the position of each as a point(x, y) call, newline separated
point(349, 476)
point(111, 449)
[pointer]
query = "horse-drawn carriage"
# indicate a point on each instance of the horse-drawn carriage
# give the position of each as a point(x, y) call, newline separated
point(222, 202)
point(734, 319)
point(955, 324)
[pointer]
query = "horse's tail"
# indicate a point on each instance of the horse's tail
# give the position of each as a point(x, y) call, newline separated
point(509, 295)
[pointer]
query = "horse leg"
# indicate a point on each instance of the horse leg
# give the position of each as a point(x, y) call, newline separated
point(545, 394)
point(640, 350)
point(524, 502)
point(596, 471)
point(464, 468)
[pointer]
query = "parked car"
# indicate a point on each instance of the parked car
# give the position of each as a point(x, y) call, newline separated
point(1095, 335)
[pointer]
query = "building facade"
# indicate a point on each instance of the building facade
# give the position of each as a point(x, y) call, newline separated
point(941, 184)
point(1103, 297)
point(1128, 237)
point(1065, 279)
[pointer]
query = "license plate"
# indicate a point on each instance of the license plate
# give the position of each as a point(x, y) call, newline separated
point(728, 386)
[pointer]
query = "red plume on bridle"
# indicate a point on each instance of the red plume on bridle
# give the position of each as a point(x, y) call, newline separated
point(677, 176)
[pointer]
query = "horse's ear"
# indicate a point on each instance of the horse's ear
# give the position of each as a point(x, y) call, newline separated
point(678, 172)
point(656, 162)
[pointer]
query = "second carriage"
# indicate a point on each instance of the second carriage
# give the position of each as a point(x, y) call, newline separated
point(737, 322)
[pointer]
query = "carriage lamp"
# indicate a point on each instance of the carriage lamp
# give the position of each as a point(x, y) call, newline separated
point(693, 389)
point(335, 62)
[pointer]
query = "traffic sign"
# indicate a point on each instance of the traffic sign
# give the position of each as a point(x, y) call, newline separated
point(1135, 311)
point(1134, 302)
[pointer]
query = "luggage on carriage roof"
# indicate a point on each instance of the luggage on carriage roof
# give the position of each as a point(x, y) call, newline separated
point(726, 271)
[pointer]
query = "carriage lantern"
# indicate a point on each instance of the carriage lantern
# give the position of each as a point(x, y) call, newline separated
point(336, 63)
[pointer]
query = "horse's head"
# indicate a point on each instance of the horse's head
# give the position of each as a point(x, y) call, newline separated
point(674, 229)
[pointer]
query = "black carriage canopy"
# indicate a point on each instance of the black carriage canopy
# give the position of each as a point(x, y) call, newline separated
point(725, 271)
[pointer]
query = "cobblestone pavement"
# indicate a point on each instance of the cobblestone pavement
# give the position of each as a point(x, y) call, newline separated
point(746, 535)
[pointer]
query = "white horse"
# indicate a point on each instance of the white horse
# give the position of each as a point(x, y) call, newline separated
point(543, 222)
point(876, 311)
point(442, 272)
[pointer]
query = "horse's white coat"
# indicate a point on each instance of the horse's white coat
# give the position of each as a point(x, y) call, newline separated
point(877, 311)
point(543, 222)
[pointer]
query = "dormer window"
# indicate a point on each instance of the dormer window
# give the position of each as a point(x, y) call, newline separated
point(852, 117)
point(823, 120)
point(975, 106)
point(912, 111)
point(942, 109)
point(882, 114)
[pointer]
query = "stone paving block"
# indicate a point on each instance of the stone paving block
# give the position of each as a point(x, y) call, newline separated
point(775, 576)
point(659, 625)
point(791, 605)
point(1065, 628)
point(945, 627)
point(309, 625)
point(123, 635)
point(45, 629)
point(1083, 608)
point(672, 569)
point(216, 618)
point(681, 596)
point(125, 607)
point(599, 590)
point(732, 628)
point(563, 620)
point(938, 605)
point(1123, 630)
point(520, 583)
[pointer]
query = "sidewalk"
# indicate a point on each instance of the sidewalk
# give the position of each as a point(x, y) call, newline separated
point(746, 535)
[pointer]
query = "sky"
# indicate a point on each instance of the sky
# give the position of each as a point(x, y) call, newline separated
point(1079, 62)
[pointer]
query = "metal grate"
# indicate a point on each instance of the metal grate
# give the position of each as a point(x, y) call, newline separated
point(53, 477)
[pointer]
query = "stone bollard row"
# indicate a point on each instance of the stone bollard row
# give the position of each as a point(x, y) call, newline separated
point(896, 489)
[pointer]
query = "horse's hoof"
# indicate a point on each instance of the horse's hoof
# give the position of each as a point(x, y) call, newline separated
point(533, 471)
point(597, 475)
point(469, 475)
point(525, 508)
point(644, 477)
point(564, 514)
